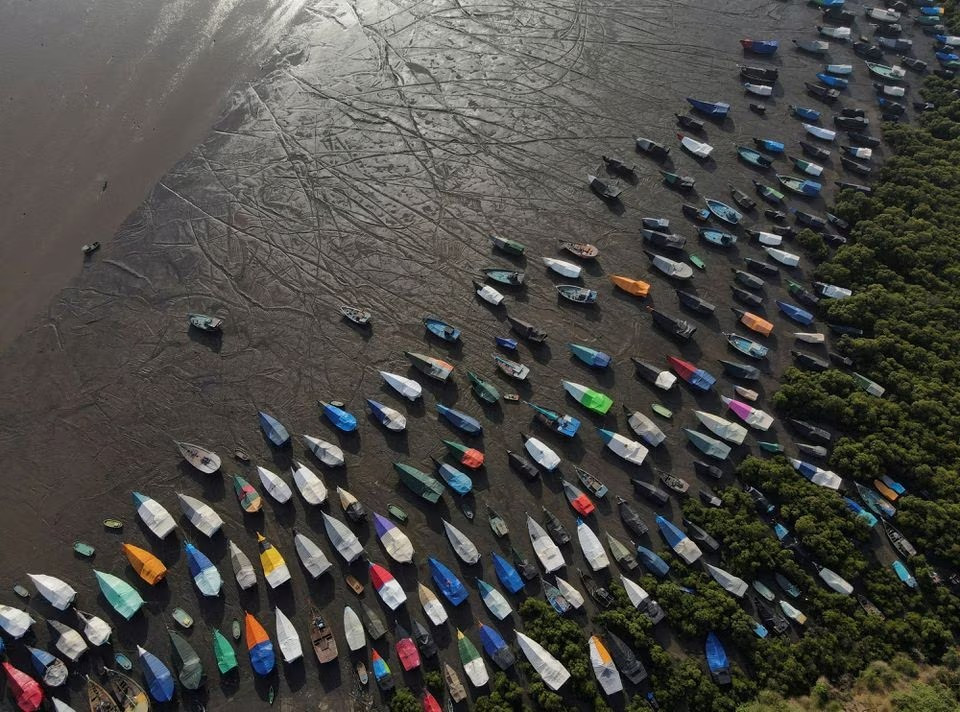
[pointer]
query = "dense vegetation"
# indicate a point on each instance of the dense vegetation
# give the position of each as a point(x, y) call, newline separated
point(903, 264)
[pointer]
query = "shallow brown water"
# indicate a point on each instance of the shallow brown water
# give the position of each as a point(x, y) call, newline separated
point(368, 166)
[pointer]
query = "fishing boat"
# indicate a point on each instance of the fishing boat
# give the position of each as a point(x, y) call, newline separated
point(802, 295)
point(898, 540)
point(713, 109)
point(696, 148)
point(311, 555)
point(800, 186)
point(604, 668)
point(636, 287)
point(717, 660)
point(424, 639)
point(746, 346)
point(598, 593)
point(808, 430)
point(326, 452)
point(274, 485)
point(526, 330)
point(721, 427)
point(357, 315)
point(883, 16)
point(473, 665)
point(766, 74)
point(893, 74)
point(57, 592)
point(562, 267)
point(273, 429)
point(602, 189)
point(564, 424)
point(546, 550)
point(753, 417)
point(696, 377)
point(631, 518)
point(707, 445)
point(512, 278)
point(816, 47)
point(617, 165)
point(630, 450)
point(723, 212)
point(583, 250)
point(671, 268)
point(788, 259)
point(121, 596)
point(204, 460)
point(441, 329)
point(511, 368)
point(527, 570)
point(153, 515)
point(717, 237)
point(858, 152)
point(903, 573)
point(129, 694)
point(555, 527)
point(576, 294)
point(497, 524)
point(751, 282)
point(651, 148)
point(203, 322)
point(754, 158)
point(760, 46)
point(812, 450)
point(695, 213)
point(644, 427)
point(625, 659)
point(869, 607)
point(701, 536)
point(242, 567)
point(740, 370)
point(677, 181)
point(522, 466)
point(743, 200)
point(651, 492)
point(507, 245)
point(813, 151)
point(833, 580)
point(507, 574)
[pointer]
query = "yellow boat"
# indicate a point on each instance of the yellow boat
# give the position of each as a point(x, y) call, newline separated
point(631, 286)
point(274, 567)
point(147, 566)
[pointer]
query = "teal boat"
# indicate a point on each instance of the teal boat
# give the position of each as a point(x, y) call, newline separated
point(226, 657)
point(746, 346)
point(697, 262)
point(505, 276)
point(707, 445)
point(903, 573)
point(441, 329)
point(119, 594)
point(893, 74)
point(563, 424)
point(800, 186)
point(204, 322)
point(419, 483)
point(770, 446)
point(717, 237)
point(510, 246)
point(590, 356)
point(771, 195)
point(724, 212)
point(482, 388)
point(754, 158)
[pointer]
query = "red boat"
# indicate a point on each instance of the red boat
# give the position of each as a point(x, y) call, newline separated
point(430, 703)
point(407, 650)
point(26, 690)
point(577, 499)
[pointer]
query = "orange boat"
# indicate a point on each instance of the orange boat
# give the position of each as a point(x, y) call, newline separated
point(885, 491)
point(631, 286)
point(754, 322)
point(147, 566)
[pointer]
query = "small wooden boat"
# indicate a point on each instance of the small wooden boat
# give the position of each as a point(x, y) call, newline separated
point(663, 239)
point(616, 165)
point(241, 456)
point(724, 212)
point(511, 368)
point(677, 484)
point(361, 671)
point(661, 410)
point(84, 549)
point(497, 523)
point(805, 113)
point(746, 346)
point(602, 189)
point(720, 238)
point(205, 323)
point(355, 314)
point(235, 629)
point(651, 492)
point(695, 213)
point(677, 181)
point(182, 617)
point(510, 246)
point(441, 329)
point(21, 591)
point(595, 486)
point(397, 513)
point(582, 250)
point(697, 262)
point(354, 584)
point(898, 540)
point(775, 215)
point(321, 637)
point(114, 524)
point(454, 686)
point(90, 247)
point(766, 74)
point(577, 294)
point(804, 166)
point(123, 661)
point(800, 186)
point(482, 388)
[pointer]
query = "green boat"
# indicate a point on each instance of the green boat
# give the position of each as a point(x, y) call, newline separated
point(190, 668)
point(771, 195)
point(84, 549)
point(430, 366)
point(226, 657)
point(697, 262)
point(678, 181)
point(893, 74)
point(770, 447)
point(511, 246)
point(795, 185)
point(482, 388)
point(927, 20)
point(754, 158)
point(590, 399)
point(707, 445)
point(397, 513)
point(661, 410)
point(505, 276)
point(419, 482)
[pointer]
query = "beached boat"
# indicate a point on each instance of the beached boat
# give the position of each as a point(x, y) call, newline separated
point(636, 287)
point(591, 357)
point(593, 550)
point(564, 424)
point(546, 550)
point(406, 387)
point(717, 660)
point(644, 427)
point(242, 567)
point(432, 606)
point(730, 583)
point(274, 567)
point(507, 245)
point(659, 377)
point(274, 485)
point(671, 268)
point(562, 267)
point(540, 452)
point(200, 515)
point(357, 315)
point(273, 429)
point(312, 557)
point(898, 540)
point(203, 322)
point(508, 576)
point(576, 294)
point(746, 346)
point(630, 450)
point(625, 659)
point(157, 676)
point(495, 601)
point(460, 420)
point(387, 586)
point(631, 518)
point(526, 330)
point(511, 368)
point(311, 487)
point(680, 329)
point(153, 515)
point(723, 212)
point(473, 665)
point(677, 181)
point(817, 47)
point(713, 109)
point(720, 238)
point(722, 428)
point(205, 575)
point(760, 46)
point(753, 417)
point(696, 377)
point(603, 189)
point(651, 148)
point(695, 148)
point(577, 498)
point(707, 445)
point(204, 460)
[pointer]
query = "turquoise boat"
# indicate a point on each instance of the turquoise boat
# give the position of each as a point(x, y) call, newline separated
point(717, 237)
point(119, 594)
point(341, 419)
point(563, 424)
point(441, 329)
point(754, 158)
point(273, 429)
point(903, 573)
point(707, 445)
point(591, 357)
point(724, 212)
point(746, 346)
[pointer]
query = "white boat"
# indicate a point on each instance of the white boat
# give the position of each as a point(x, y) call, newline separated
point(287, 638)
point(343, 540)
point(783, 257)
point(58, 593)
point(432, 605)
point(243, 569)
point(835, 581)
point(14, 621)
point(311, 487)
point(154, 515)
point(629, 450)
point(593, 550)
point(562, 267)
point(572, 595)
point(397, 544)
point(495, 601)
point(549, 553)
point(311, 555)
point(474, 667)
point(672, 268)
point(353, 630)
point(880, 14)
point(407, 387)
point(839, 70)
point(204, 460)
point(645, 428)
point(69, 642)
point(490, 295)
point(96, 630)
point(465, 548)
point(604, 667)
point(743, 392)
point(758, 89)
point(950, 40)
point(754, 417)
point(637, 595)
point(390, 591)
point(820, 132)
point(350, 505)
point(729, 431)
point(729, 582)
point(768, 238)
point(274, 485)
point(837, 33)
point(541, 454)
point(832, 291)
point(862, 151)
point(328, 453)
point(60, 706)
point(551, 670)
point(794, 614)
point(391, 418)
point(809, 337)
point(819, 476)
point(697, 148)
point(200, 515)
